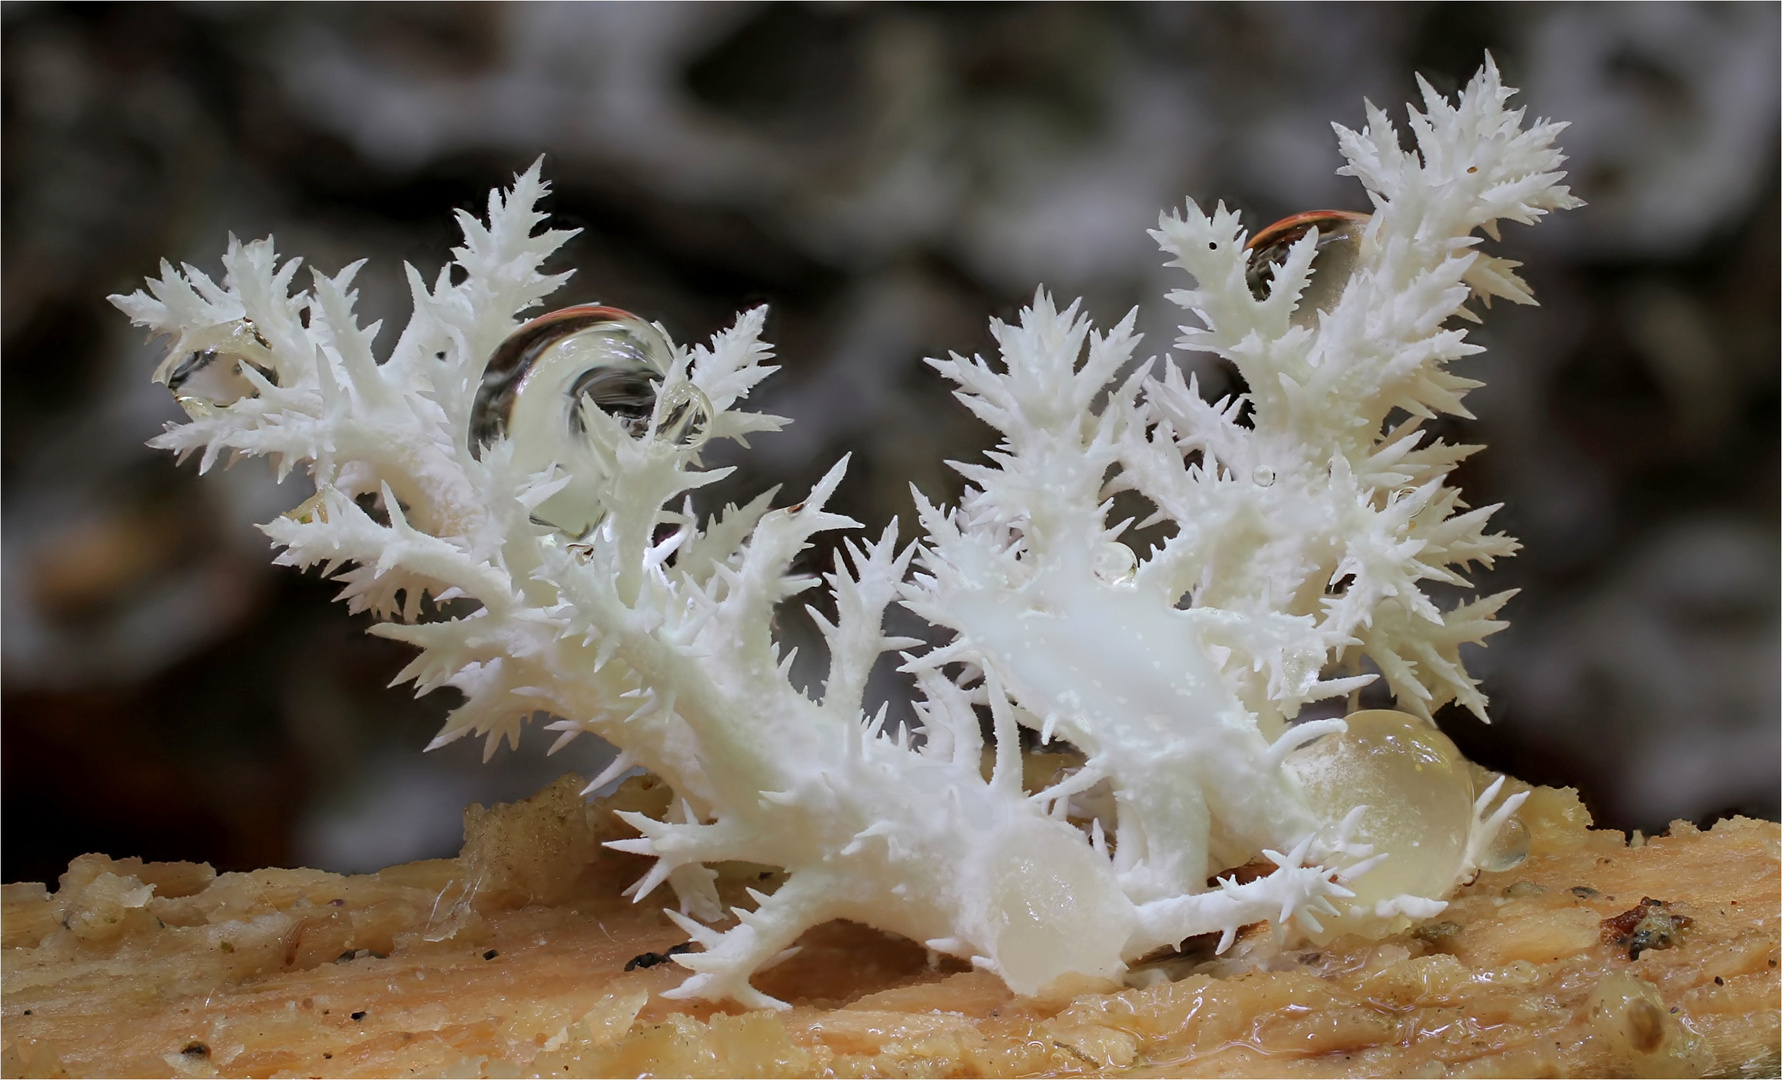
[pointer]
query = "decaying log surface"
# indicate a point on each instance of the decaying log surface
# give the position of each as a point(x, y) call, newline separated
point(1591, 959)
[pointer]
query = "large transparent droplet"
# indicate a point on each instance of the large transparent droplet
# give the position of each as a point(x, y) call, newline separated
point(212, 377)
point(540, 381)
point(1339, 248)
point(534, 383)
point(1418, 793)
point(1115, 564)
point(1508, 849)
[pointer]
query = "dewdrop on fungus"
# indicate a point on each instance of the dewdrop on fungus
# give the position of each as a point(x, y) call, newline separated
point(1508, 849)
point(686, 416)
point(1115, 563)
point(542, 378)
point(213, 375)
point(533, 385)
point(1338, 248)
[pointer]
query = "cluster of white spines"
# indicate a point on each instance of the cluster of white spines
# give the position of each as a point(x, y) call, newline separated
point(1309, 513)
point(1332, 456)
point(1176, 675)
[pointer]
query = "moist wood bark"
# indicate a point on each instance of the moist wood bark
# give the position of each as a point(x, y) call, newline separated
point(520, 957)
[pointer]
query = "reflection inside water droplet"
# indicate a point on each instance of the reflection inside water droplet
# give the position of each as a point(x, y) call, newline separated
point(534, 383)
point(541, 382)
point(623, 390)
point(1339, 248)
point(1115, 564)
point(1508, 849)
point(212, 377)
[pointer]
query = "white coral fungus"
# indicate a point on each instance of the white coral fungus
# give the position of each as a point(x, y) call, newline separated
point(1308, 513)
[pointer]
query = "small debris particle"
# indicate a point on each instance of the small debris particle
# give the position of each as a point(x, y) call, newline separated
point(1718, 981)
point(360, 1015)
point(1519, 889)
point(491, 954)
point(196, 1049)
point(27, 1012)
point(1583, 892)
point(327, 1056)
point(1436, 933)
point(345, 957)
point(1651, 925)
point(337, 902)
point(227, 946)
point(651, 959)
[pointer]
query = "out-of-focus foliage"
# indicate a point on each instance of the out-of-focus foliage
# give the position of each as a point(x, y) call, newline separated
point(884, 176)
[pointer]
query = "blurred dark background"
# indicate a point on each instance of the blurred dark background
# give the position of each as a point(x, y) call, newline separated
point(887, 177)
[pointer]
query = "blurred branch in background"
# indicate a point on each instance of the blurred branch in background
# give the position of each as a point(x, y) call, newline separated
point(885, 176)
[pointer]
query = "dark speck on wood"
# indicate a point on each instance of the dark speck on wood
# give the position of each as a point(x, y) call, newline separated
point(651, 959)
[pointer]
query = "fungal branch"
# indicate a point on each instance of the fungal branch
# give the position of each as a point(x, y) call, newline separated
point(514, 500)
point(1307, 513)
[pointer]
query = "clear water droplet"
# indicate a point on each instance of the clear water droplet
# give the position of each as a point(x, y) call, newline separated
point(1115, 564)
point(1339, 249)
point(1263, 476)
point(535, 381)
point(1508, 849)
point(1417, 790)
point(541, 382)
point(686, 417)
point(209, 378)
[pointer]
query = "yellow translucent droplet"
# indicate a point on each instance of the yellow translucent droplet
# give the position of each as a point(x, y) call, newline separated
point(1418, 793)
point(1054, 915)
point(312, 509)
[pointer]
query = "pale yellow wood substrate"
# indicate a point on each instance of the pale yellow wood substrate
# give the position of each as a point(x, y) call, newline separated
point(510, 960)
